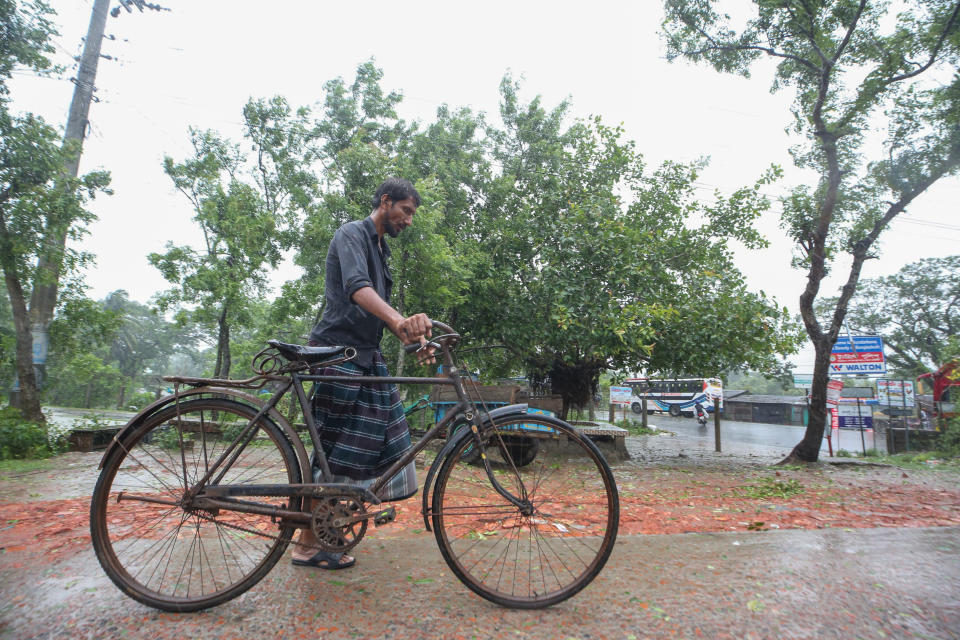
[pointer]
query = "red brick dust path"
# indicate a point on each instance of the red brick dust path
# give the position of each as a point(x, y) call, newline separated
point(654, 500)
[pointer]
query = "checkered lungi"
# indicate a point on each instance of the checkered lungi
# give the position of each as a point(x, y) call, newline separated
point(362, 428)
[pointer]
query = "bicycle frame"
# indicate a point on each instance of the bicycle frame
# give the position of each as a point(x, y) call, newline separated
point(208, 494)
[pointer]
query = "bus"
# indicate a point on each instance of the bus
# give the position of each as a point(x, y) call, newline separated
point(676, 396)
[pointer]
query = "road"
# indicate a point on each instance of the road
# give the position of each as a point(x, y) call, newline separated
point(758, 438)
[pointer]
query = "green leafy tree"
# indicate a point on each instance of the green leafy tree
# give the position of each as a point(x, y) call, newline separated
point(854, 67)
point(594, 263)
point(34, 196)
point(916, 310)
point(142, 344)
point(244, 208)
point(80, 335)
point(361, 141)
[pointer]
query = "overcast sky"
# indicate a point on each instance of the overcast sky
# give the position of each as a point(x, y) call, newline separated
point(197, 64)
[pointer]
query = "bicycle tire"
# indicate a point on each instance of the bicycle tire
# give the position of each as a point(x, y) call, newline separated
point(540, 559)
point(172, 558)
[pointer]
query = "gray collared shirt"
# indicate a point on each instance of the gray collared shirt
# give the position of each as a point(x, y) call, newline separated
point(357, 258)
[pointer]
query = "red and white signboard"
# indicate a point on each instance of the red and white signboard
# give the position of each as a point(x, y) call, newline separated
point(857, 355)
point(834, 387)
point(620, 395)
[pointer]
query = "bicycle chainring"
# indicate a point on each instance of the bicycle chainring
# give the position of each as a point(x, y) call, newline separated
point(328, 510)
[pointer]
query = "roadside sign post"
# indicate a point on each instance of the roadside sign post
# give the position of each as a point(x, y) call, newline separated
point(716, 422)
point(858, 393)
point(906, 425)
point(899, 397)
point(833, 398)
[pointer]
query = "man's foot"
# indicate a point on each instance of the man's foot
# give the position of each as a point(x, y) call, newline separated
point(325, 560)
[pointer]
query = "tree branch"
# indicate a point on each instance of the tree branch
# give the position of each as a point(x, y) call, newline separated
point(936, 48)
point(848, 34)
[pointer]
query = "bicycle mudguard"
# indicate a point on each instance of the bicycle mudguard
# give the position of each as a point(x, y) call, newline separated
point(255, 403)
point(448, 447)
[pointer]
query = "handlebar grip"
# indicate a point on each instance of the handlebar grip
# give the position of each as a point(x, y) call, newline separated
point(410, 348)
point(442, 328)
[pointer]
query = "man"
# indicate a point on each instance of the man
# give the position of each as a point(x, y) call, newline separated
point(361, 425)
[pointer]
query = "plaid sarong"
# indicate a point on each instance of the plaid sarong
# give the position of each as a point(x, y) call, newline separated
point(362, 428)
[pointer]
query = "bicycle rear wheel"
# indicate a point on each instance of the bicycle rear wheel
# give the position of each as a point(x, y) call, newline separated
point(158, 549)
point(541, 555)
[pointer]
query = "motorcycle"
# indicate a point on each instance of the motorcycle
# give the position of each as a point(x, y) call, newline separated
point(701, 415)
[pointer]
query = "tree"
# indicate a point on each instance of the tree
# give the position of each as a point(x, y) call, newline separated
point(360, 142)
point(81, 373)
point(246, 208)
point(595, 264)
point(854, 68)
point(916, 310)
point(34, 196)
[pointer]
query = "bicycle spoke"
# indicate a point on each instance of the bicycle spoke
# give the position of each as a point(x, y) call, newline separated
point(172, 556)
point(544, 552)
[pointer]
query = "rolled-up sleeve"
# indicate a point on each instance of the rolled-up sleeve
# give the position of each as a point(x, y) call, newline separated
point(352, 252)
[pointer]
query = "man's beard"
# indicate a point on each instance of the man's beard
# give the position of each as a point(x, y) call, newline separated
point(391, 230)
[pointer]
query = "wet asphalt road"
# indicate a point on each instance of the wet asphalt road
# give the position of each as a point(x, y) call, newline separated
point(759, 438)
point(873, 583)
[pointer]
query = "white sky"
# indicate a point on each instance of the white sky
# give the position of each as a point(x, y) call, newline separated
point(199, 63)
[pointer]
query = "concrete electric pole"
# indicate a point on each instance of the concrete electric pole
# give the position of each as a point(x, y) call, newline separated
point(43, 299)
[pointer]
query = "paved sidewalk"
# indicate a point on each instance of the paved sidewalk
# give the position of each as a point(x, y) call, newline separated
point(865, 583)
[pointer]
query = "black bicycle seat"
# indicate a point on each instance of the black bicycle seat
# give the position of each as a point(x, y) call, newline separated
point(303, 353)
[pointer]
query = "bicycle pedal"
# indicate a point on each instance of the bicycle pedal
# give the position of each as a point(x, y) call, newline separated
point(385, 517)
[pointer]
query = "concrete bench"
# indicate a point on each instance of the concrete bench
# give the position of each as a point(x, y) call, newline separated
point(89, 439)
point(609, 439)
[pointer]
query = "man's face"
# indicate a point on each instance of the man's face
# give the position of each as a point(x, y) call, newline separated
point(399, 215)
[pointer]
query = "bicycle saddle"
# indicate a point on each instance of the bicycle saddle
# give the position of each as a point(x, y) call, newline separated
point(310, 355)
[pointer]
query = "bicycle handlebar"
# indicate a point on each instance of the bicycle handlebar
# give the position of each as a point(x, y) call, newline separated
point(434, 324)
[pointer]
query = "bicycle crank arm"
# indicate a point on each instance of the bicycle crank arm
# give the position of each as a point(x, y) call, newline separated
point(380, 518)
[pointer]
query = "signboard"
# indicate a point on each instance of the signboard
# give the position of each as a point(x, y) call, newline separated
point(896, 393)
point(857, 355)
point(857, 392)
point(802, 380)
point(850, 418)
point(898, 411)
point(620, 395)
point(834, 387)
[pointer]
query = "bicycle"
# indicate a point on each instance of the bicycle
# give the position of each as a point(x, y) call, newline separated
point(200, 494)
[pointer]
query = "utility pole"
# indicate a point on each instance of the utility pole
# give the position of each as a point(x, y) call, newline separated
point(43, 298)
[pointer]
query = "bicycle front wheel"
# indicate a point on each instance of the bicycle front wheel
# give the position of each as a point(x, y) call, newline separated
point(149, 540)
point(542, 553)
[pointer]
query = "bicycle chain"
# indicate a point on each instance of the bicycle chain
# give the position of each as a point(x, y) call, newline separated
point(255, 532)
point(321, 541)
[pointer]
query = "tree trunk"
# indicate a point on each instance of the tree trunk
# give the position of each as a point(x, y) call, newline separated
point(87, 394)
point(222, 369)
point(28, 400)
point(808, 449)
point(122, 396)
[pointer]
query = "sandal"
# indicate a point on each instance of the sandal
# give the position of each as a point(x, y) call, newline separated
point(325, 560)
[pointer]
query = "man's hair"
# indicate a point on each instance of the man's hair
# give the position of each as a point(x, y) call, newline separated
point(396, 189)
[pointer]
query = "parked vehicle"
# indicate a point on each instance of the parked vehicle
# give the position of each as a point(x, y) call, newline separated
point(677, 396)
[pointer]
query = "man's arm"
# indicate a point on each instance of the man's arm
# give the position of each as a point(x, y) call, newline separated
point(408, 330)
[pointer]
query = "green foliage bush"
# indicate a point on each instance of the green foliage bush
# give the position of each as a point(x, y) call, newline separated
point(20, 439)
point(949, 441)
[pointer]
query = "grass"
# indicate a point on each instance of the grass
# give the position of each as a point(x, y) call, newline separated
point(770, 488)
point(922, 460)
point(13, 467)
